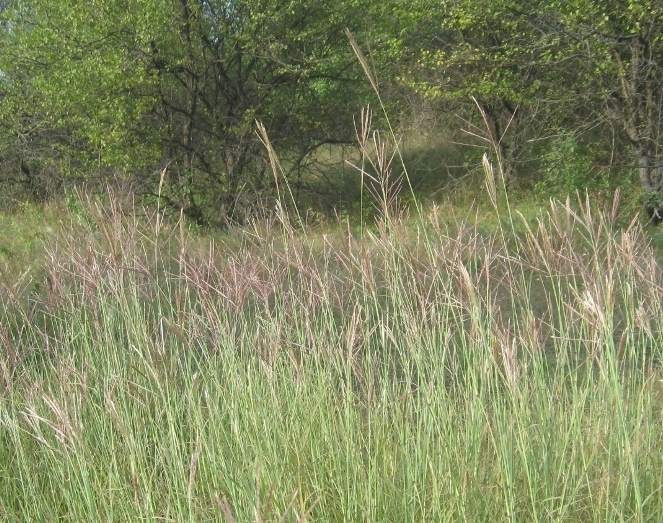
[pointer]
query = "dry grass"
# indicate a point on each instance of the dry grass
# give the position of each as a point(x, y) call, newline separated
point(420, 372)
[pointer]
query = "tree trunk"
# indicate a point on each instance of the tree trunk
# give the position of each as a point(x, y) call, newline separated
point(506, 150)
point(635, 103)
point(650, 169)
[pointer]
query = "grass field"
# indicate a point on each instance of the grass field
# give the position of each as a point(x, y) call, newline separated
point(425, 369)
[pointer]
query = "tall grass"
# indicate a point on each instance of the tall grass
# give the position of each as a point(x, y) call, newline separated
point(413, 373)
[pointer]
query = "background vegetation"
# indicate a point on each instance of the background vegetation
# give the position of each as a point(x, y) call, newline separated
point(161, 97)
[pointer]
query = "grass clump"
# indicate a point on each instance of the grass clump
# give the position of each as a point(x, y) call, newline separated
point(427, 372)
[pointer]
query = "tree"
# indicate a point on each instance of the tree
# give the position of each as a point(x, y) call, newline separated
point(573, 68)
point(617, 51)
point(481, 57)
point(75, 97)
point(169, 91)
point(225, 65)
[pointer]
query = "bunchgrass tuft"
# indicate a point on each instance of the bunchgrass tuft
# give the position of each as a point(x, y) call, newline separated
point(426, 372)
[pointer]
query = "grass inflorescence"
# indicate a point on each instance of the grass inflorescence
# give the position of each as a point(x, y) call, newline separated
point(428, 372)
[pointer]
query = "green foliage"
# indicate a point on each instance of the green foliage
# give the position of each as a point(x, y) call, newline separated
point(566, 169)
point(512, 70)
point(169, 92)
point(652, 201)
point(164, 95)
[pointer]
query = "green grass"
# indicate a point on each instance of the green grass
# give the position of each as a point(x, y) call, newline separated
point(418, 371)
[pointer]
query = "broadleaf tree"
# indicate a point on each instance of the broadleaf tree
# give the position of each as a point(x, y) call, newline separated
point(481, 60)
point(616, 52)
point(169, 91)
point(586, 70)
